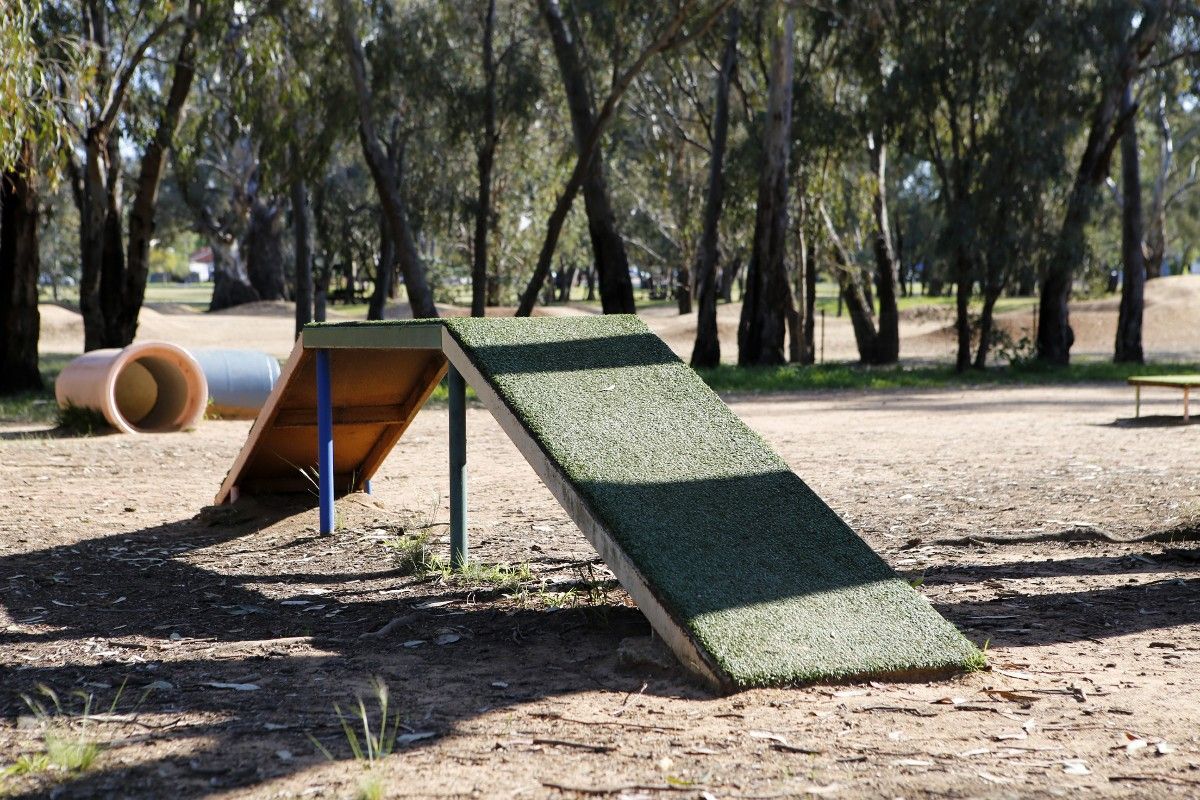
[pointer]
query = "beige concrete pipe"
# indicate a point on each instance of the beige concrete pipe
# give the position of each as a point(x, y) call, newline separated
point(148, 387)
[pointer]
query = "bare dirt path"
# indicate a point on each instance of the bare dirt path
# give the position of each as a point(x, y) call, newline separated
point(242, 627)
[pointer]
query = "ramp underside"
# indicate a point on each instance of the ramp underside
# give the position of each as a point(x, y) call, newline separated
point(376, 393)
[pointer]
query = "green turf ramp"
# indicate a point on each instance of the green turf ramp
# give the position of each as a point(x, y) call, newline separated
point(769, 584)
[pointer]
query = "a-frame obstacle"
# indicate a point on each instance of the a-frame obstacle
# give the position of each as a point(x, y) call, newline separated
point(746, 574)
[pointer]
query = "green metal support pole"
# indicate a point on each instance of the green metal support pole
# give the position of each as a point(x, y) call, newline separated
point(458, 469)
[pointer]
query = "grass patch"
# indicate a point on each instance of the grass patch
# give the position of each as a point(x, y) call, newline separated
point(501, 577)
point(378, 739)
point(82, 421)
point(792, 378)
point(39, 405)
point(68, 741)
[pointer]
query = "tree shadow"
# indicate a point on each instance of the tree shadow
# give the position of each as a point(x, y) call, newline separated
point(117, 606)
point(1150, 421)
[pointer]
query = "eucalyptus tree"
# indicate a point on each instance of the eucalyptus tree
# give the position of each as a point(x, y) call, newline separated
point(993, 131)
point(1128, 34)
point(29, 93)
point(140, 59)
point(386, 169)
point(762, 325)
point(676, 27)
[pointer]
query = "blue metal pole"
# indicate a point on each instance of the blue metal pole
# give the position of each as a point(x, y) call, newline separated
point(458, 469)
point(325, 441)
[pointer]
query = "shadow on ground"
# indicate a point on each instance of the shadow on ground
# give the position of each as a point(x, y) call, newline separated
point(113, 609)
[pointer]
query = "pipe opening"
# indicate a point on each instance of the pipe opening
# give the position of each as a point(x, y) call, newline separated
point(152, 394)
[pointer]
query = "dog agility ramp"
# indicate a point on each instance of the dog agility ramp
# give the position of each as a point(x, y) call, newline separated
point(745, 573)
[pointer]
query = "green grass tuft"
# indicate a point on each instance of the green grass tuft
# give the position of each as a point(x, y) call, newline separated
point(82, 421)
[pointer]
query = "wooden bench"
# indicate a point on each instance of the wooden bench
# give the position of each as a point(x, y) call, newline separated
point(1184, 382)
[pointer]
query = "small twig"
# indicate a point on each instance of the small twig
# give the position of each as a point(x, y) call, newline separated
point(552, 715)
point(595, 748)
point(636, 787)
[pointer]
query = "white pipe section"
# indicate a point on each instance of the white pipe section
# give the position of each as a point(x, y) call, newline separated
point(148, 387)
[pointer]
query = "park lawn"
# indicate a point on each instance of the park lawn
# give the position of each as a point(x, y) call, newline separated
point(791, 378)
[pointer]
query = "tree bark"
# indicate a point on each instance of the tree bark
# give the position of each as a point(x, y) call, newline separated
point(19, 318)
point(1129, 321)
point(608, 249)
point(761, 328)
point(383, 270)
point(231, 285)
point(964, 283)
point(986, 323)
point(303, 238)
point(420, 298)
point(707, 350)
point(486, 158)
point(887, 272)
point(1055, 336)
point(808, 351)
point(264, 250)
point(1156, 219)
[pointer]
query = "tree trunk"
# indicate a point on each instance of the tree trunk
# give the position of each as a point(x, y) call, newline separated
point(303, 246)
point(965, 280)
point(264, 251)
point(608, 249)
point(887, 272)
point(231, 285)
point(707, 350)
point(1129, 321)
point(729, 277)
point(145, 199)
point(387, 184)
point(383, 271)
point(1055, 336)
point(19, 318)
point(761, 329)
point(986, 324)
point(1156, 219)
point(850, 291)
point(808, 345)
point(486, 158)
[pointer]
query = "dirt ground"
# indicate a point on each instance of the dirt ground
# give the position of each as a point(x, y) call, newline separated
point(239, 629)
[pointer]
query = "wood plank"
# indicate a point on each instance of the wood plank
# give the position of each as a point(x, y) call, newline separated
point(345, 415)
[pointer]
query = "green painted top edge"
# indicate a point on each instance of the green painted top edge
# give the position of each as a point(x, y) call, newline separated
point(382, 334)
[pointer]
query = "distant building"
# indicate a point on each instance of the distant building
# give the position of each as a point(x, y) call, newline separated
point(200, 266)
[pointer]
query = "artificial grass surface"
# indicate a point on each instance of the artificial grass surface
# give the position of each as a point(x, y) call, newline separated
point(764, 576)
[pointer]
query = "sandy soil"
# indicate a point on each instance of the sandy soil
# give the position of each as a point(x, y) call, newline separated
point(242, 628)
point(1170, 329)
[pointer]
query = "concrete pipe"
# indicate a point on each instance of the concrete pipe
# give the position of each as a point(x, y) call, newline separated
point(149, 387)
point(239, 381)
